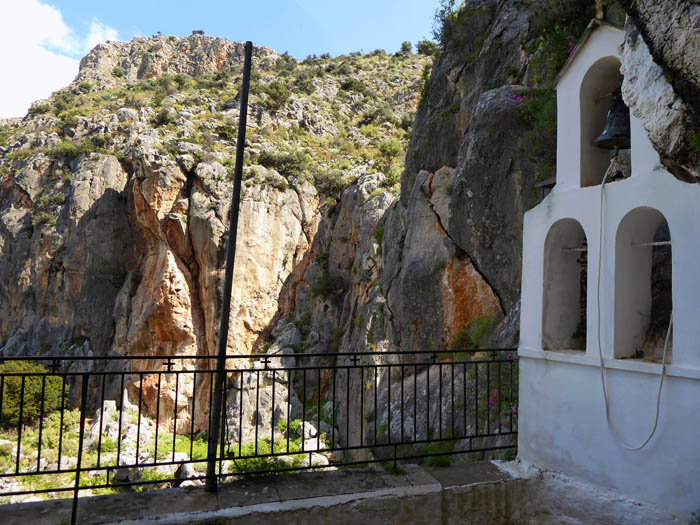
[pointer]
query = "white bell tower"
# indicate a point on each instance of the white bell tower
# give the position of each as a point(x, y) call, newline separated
point(587, 296)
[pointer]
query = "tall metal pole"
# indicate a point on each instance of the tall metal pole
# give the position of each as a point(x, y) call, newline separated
point(217, 403)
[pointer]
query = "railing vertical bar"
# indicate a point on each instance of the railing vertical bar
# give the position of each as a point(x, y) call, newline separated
point(138, 425)
point(289, 406)
point(194, 402)
point(81, 435)
point(318, 411)
point(500, 404)
point(347, 407)
point(177, 395)
point(102, 404)
point(376, 408)
point(388, 405)
point(334, 405)
point(19, 425)
point(403, 375)
point(476, 398)
point(240, 415)
point(155, 446)
point(211, 424)
point(257, 408)
point(60, 432)
point(121, 412)
point(464, 385)
point(362, 405)
point(41, 422)
point(224, 428)
point(510, 408)
point(63, 409)
point(272, 416)
point(303, 411)
point(488, 397)
point(452, 370)
point(427, 404)
point(415, 403)
point(440, 400)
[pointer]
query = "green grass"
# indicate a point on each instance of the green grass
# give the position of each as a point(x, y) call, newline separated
point(439, 447)
point(200, 446)
point(395, 469)
point(248, 461)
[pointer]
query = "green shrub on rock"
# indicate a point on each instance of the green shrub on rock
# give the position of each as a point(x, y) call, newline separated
point(426, 47)
point(287, 164)
point(277, 94)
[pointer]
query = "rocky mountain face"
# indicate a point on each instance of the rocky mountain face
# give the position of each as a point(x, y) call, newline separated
point(115, 192)
point(116, 195)
point(489, 119)
point(666, 96)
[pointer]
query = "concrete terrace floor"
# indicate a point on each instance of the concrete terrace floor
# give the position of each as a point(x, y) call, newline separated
point(466, 493)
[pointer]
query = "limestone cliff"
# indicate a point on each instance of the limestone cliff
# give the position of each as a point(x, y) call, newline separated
point(488, 114)
point(666, 94)
point(116, 192)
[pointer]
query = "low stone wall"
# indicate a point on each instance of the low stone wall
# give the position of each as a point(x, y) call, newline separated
point(465, 493)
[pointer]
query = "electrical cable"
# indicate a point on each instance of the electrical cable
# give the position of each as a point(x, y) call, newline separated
point(600, 349)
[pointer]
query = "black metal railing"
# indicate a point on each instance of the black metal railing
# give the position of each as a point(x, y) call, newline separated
point(77, 426)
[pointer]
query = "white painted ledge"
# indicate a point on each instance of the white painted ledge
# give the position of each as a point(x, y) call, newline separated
point(576, 357)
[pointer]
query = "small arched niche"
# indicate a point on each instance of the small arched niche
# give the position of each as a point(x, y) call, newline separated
point(565, 285)
point(602, 79)
point(643, 292)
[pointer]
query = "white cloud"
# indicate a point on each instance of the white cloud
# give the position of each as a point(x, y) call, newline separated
point(99, 32)
point(40, 52)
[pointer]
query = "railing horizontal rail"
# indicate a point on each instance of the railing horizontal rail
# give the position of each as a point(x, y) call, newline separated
point(427, 353)
point(93, 425)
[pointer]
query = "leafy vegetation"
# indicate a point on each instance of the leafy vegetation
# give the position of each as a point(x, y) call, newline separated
point(539, 108)
point(470, 337)
point(450, 15)
point(441, 449)
point(277, 94)
point(695, 142)
point(22, 394)
point(552, 47)
point(292, 164)
point(427, 47)
point(328, 286)
point(337, 133)
point(425, 79)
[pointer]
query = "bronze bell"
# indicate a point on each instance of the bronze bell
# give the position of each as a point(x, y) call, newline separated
point(616, 133)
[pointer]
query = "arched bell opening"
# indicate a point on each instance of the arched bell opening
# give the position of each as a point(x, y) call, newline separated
point(565, 287)
point(600, 105)
point(643, 290)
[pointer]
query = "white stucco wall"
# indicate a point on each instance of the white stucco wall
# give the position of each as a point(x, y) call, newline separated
point(562, 428)
point(562, 424)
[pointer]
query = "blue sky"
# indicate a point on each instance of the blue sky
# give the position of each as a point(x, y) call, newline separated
point(48, 37)
point(301, 27)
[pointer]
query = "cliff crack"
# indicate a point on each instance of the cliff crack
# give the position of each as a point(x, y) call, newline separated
point(463, 251)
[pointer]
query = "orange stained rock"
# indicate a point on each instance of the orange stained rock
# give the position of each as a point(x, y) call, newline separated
point(465, 295)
